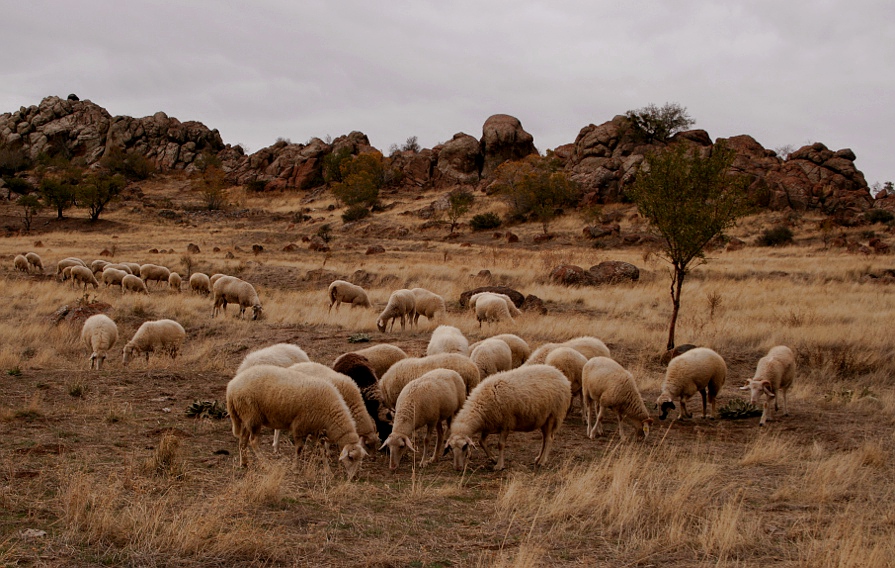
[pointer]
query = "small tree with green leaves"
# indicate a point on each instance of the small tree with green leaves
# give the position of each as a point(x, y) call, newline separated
point(688, 200)
point(30, 205)
point(459, 202)
point(98, 190)
point(59, 190)
point(658, 124)
point(535, 187)
point(131, 165)
point(212, 183)
point(362, 177)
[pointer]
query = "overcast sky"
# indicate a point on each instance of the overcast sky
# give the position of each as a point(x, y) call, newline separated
point(785, 72)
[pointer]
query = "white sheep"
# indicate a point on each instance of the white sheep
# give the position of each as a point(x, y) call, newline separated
point(113, 277)
point(607, 385)
point(66, 273)
point(133, 267)
point(175, 282)
point(99, 334)
point(447, 339)
point(381, 357)
point(83, 275)
point(34, 260)
point(234, 290)
point(21, 263)
point(97, 265)
point(279, 354)
point(698, 370)
point(403, 372)
point(534, 397)
point(401, 305)
point(133, 283)
point(491, 307)
point(266, 396)
point(492, 356)
point(341, 291)
point(163, 335)
point(215, 277)
point(200, 283)
point(120, 266)
point(775, 373)
point(588, 346)
point(427, 304)
point(570, 362)
point(519, 347)
point(70, 261)
point(154, 272)
point(429, 401)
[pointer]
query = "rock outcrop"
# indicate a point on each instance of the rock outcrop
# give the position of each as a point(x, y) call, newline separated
point(503, 139)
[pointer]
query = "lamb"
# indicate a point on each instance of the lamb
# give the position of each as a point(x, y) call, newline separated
point(401, 304)
point(154, 272)
point(358, 368)
point(99, 334)
point(34, 260)
point(519, 347)
point(231, 289)
point(426, 304)
point(160, 335)
point(606, 384)
point(492, 356)
point(82, 274)
point(381, 357)
point(21, 263)
point(113, 277)
point(775, 373)
point(493, 307)
point(699, 369)
point(175, 282)
point(447, 339)
point(342, 291)
point(428, 401)
point(534, 397)
point(570, 362)
point(70, 261)
point(133, 283)
point(97, 265)
point(200, 284)
point(283, 399)
point(407, 370)
point(280, 354)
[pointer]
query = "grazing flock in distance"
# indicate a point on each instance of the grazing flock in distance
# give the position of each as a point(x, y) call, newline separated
point(461, 392)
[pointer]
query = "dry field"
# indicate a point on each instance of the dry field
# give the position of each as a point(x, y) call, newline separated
point(111, 468)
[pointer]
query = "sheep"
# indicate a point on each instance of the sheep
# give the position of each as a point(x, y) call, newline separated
point(133, 283)
point(588, 346)
point(406, 370)
point(133, 267)
point(493, 307)
point(175, 282)
point(99, 334)
point(534, 397)
point(447, 339)
point(428, 401)
point(426, 304)
point(82, 274)
point(570, 362)
point(200, 284)
point(113, 277)
point(699, 369)
point(280, 354)
point(283, 399)
point(154, 272)
point(70, 261)
point(120, 266)
point(539, 355)
point(606, 384)
point(358, 368)
point(492, 356)
point(66, 273)
point(674, 352)
point(160, 335)
point(231, 289)
point(34, 260)
point(775, 373)
point(341, 291)
point(97, 265)
point(519, 347)
point(401, 304)
point(214, 278)
point(21, 263)
point(381, 357)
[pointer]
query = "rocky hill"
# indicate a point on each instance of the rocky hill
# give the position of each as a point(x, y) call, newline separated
point(602, 159)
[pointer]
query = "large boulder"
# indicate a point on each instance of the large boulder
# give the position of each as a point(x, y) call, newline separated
point(459, 161)
point(613, 272)
point(570, 275)
point(504, 139)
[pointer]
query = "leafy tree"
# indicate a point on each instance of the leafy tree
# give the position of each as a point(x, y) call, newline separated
point(459, 202)
point(59, 189)
point(535, 187)
point(332, 165)
point(131, 165)
point(411, 145)
point(17, 185)
point(98, 190)
point(362, 177)
point(688, 199)
point(13, 160)
point(212, 183)
point(30, 205)
point(484, 221)
point(658, 124)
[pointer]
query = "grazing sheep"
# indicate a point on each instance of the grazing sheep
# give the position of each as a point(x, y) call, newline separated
point(382, 356)
point(341, 291)
point(70, 261)
point(280, 354)
point(426, 304)
point(588, 346)
point(491, 307)
point(160, 335)
point(570, 362)
point(534, 397)
point(113, 277)
point(231, 289)
point(214, 278)
point(266, 396)
point(519, 347)
point(121, 266)
point(428, 401)
point(775, 373)
point(698, 370)
point(21, 263)
point(34, 260)
point(66, 273)
point(672, 353)
point(492, 356)
point(99, 334)
point(447, 339)
point(401, 304)
point(133, 283)
point(358, 368)
point(154, 272)
point(83, 275)
point(200, 284)
point(175, 282)
point(97, 265)
point(606, 384)
point(403, 372)
point(133, 267)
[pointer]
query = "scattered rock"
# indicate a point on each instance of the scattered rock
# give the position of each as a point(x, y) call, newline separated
point(614, 272)
point(151, 251)
point(38, 244)
point(105, 252)
point(216, 249)
point(229, 254)
point(257, 249)
point(318, 244)
point(192, 248)
point(512, 237)
point(291, 247)
point(484, 274)
point(543, 238)
point(321, 276)
point(570, 275)
point(599, 232)
point(514, 295)
point(497, 235)
point(533, 304)
point(375, 249)
point(672, 353)
point(168, 214)
point(735, 244)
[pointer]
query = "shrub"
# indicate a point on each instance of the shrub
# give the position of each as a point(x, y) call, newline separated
point(362, 176)
point(775, 237)
point(131, 165)
point(484, 221)
point(355, 213)
point(652, 123)
point(256, 185)
point(879, 216)
point(535, 187)
point(17, 185)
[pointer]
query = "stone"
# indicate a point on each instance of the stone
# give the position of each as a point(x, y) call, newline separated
point(614, 272)
point(317, 244)
point(192, 248)
point(533, 304)
point(512, 237)
point(459, 160)
point(514, 295)
point(504, 139)
point(375, 249)
point(570, 275)
point(257, 249)
point(291, 247)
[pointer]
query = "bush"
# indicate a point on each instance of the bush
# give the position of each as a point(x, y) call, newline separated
point(17, 185)
point(652, 123)
point(131, 165)
point(256, 185)
point(879, 216)
point(484, 221)
point(355, 213)
point(775, 237)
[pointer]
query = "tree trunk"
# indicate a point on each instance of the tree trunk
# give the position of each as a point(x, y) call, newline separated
point(677, 282)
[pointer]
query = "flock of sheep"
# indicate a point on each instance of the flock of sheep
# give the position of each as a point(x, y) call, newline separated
point(460, 392)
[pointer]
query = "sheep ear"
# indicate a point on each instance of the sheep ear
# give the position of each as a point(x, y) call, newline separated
point(745, 387)
point(767, 389)
point(409, 445)
point(344, 454)
point(385, 443)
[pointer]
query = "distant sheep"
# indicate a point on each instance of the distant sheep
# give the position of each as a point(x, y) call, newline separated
point(358, 368)
point(427, 304)
point(162, 335)
point(381, 357)
point(214, 278)
point(154, 273)
point(775, 373)
point(698, 370)
point(401, 305)
point(341, 291)
point(492, 308)
point(70, 261)
point(519, 347)
point(83, 275)
point(99, 334)
point(34, 260)
point(133, 267)
point(175, 282)
point(97, 265)
point(279, 354)
point(133, 283)
point(529, 398)
point(492, 356)
point(113, 277)
point(607, 385)
point(403, 372)
point(233, 290)
point(447, 339)
point(200, 284)
point(121, 266)
point(590, 347)
point(21, 263)
point(570, 362)
point(66, 273)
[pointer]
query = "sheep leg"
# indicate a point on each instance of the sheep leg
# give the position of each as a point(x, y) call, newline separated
point(621, 432)
point(501, 445)
point(547, 433)
point(785, 411)
point(439, 440)
point(485, 447)
point(598, 423)
point(588, 412)
point(684, 413)
point(276, 442)
point(764, 414)
point(705, 413)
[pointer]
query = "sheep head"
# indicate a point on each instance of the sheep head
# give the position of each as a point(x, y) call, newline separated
point(397, 444)
point(351, 457)
point(256, 311)
point(126, 353)
point(644, 427)
point(757, 388)
point(380, 325)
point(461, 446)
point(666, 404)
